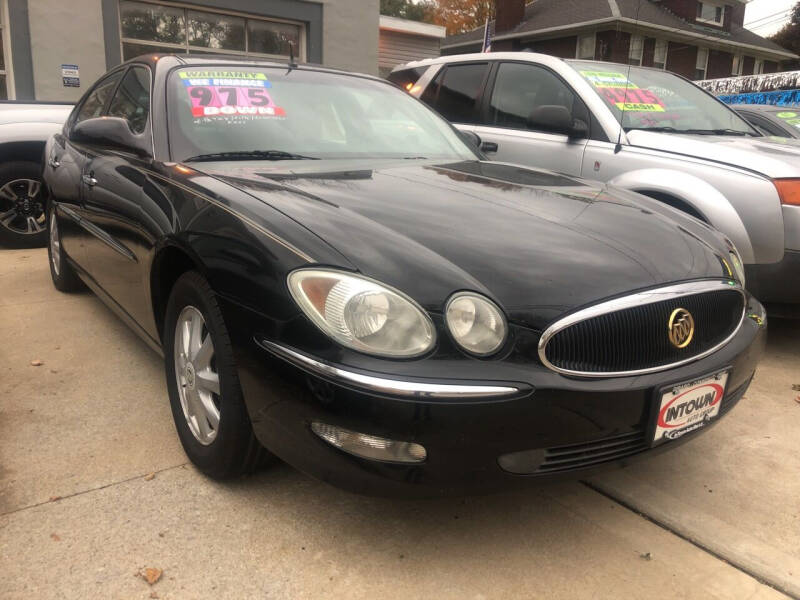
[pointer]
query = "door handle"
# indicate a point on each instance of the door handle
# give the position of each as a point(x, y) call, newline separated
point(89, 180)
point(489, 147)
point(53, 162)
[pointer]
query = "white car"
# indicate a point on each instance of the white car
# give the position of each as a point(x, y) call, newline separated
point(646, 130)
point(24, 129)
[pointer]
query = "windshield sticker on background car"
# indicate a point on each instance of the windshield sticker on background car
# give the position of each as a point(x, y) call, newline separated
point(791, 118)
point(227, 94)
point(634, 100)
point(608, 79)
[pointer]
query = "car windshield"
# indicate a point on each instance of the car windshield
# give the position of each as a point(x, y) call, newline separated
point(660, 101)
point(245, 112)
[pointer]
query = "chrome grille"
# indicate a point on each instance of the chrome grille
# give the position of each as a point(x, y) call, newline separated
point(630, 335)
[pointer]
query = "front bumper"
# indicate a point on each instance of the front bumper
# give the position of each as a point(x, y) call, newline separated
point(777, 284)
point(558, 426)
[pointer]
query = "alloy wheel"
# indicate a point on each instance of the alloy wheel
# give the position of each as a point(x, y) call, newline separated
point(196, 375)
point(21, 208)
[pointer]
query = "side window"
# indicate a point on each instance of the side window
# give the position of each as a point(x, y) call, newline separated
point(519, 88)
point(132, 99)
point(96, 100)
point(459, 90)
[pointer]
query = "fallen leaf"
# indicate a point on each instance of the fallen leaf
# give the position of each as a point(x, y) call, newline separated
point(797, 399)
point(37, 363)
point(53, 371)
point(646, 556)
point(152, 574)
point(55, 537)
point(796, 387)
point(149, 476)
point(153, 595)
point(54, 498)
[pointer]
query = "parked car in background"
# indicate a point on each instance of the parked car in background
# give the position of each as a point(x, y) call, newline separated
point(776, 121)
point(24, 129)
point(676, 143)
point(332, 273)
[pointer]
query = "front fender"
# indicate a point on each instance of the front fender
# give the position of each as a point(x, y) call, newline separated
point(703, 197)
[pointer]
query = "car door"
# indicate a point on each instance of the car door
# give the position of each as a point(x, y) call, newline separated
point(113, 183)
point(65, 165)
point(515, 89)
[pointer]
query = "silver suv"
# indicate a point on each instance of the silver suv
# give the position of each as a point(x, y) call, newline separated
point(676, 143)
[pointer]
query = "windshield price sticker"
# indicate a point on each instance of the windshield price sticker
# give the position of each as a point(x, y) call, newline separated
point(791, 118)
point(230, 93)
point(608, 79)
point(634, 100)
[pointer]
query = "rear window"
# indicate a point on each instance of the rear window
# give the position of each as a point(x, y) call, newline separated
point(406, 78)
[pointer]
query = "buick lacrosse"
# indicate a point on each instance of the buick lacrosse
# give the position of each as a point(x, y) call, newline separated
point(335, 277)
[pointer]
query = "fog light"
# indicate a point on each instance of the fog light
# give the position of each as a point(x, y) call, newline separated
point(370, 446)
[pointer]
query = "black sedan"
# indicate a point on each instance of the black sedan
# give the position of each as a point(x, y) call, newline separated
point(778, 121)
point(334, 276)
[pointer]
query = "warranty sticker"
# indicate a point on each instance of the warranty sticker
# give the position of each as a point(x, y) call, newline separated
point(230, 93)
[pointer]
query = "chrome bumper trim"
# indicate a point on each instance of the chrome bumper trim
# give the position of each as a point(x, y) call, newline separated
point(395, 387)
point(639, 299)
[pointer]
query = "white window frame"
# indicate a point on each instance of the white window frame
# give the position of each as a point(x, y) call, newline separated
point(704, 68)
point(587, 36)
point(738, 65)
point(631, 47)
point(716, 5)
point(664, 44)
point(184, 48)
point(8, 71)
point(758, 67)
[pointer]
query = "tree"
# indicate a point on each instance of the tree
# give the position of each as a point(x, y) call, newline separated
point(789, 36)
point(463, 15)
point(420, 10)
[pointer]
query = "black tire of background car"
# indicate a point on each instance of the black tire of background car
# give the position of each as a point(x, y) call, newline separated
point(8, 173)
point(235, 450)
point(66, 280)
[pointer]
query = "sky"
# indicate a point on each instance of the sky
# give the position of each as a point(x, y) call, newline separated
point(765, 17)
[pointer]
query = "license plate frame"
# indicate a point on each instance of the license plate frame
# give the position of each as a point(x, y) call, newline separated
point(666, 425)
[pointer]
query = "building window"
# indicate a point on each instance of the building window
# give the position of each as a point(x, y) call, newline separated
point(709, 12)
point(586, 46)
point(5, 66)
point(148, 27)
point(738, 65)
point(660, 54)
point(759, 67)
point(636, 50)
point(702, 63)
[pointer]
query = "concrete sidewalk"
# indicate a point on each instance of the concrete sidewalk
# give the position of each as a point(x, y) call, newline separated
point(80, 517)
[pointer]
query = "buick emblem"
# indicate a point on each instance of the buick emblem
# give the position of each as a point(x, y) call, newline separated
point(681, 328)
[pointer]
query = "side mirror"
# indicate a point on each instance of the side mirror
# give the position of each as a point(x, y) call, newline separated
point(557, 119)
point(111, 132)
point(471, 138)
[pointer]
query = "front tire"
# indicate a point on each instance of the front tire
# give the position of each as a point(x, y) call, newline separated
point(63, 275)
point(204, 391)
point(23, 221)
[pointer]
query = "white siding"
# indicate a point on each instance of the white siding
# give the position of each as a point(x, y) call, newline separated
point(395, 48)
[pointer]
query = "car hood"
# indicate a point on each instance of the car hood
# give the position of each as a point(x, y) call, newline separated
point(34, 113)
point(774, 157)
point(537, 242)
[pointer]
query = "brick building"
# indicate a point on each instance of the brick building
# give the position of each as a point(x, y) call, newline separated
point(697, 39)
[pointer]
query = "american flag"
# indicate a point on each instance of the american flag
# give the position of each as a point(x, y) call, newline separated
point(487, 40)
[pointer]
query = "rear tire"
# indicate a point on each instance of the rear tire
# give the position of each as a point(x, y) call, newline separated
point(64, 277)
point(23, 220)
point(204, 391)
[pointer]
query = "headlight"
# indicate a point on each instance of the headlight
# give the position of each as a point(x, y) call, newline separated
point(476, 324)
point(362, 314)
